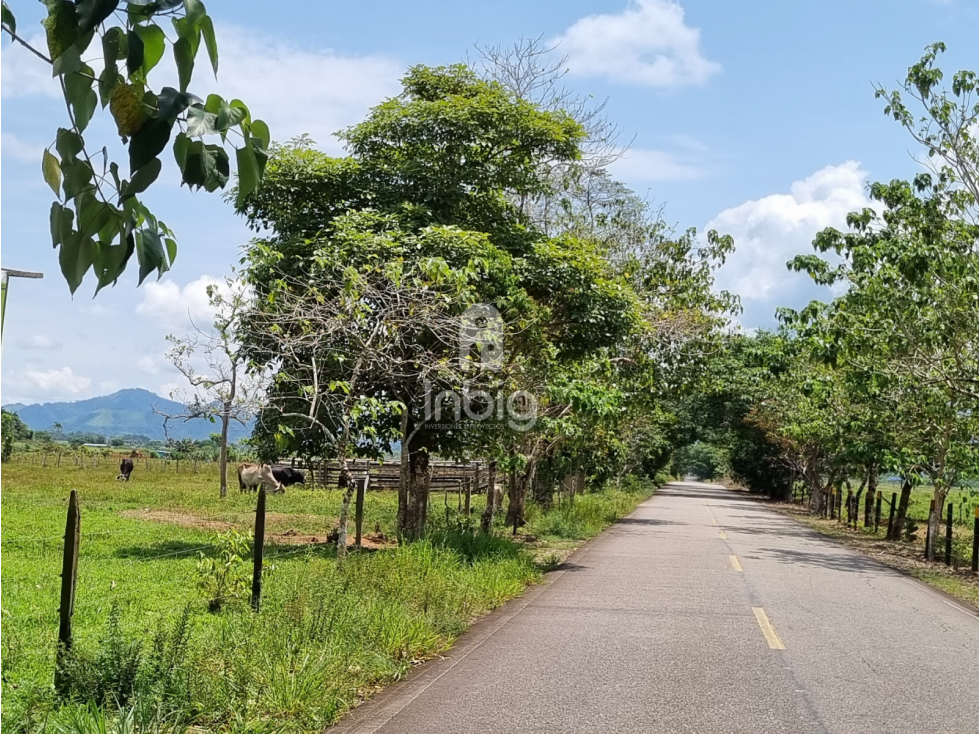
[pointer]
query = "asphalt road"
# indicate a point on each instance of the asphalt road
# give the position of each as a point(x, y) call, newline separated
point(703, 612)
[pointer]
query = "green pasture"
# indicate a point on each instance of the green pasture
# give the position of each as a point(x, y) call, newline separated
point(328, 633)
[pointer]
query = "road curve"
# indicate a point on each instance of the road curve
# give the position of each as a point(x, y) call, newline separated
point(703, 611)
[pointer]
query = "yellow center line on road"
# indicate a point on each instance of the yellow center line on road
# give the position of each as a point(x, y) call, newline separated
point(767, 630)
point(736, 564)
point(713, 521)
point(723, 535)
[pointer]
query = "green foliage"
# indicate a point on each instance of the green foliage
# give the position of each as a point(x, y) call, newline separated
point(224, 575)
point(702, 460)
point(98, 221)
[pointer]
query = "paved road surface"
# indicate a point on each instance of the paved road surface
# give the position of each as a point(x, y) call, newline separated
point(703, 612)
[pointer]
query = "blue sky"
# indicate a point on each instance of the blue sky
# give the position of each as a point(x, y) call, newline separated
point(756, 118)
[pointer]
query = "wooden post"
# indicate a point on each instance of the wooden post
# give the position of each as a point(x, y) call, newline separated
point(69, 575)
point(880, 497)
point(259, 551)
point(850, 518)
point(975, 544)
point(359, 507)
point(948, 535)
point(929, 549)
point(467, 508)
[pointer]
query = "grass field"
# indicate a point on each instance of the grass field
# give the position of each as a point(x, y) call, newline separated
point(328, 634)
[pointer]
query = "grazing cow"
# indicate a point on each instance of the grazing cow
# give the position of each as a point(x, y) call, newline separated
point(252, 476)
point(287, 476)
point(125, 469)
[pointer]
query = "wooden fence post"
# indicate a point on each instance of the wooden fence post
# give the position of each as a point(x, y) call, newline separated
point(359, 507)
point(69, 575)
point(880, 497)
point(929, 548)
point(259, 551)
point(890, 518)
point(975, 544)
point(467, 508)
point(948, 535)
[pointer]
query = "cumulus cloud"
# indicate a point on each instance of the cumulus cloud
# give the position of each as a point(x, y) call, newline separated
point(167, 304)
point(648, 43)
point(770, 231)
point(23, 74)
point(46, 385)
point(643, 164)
point(16, 148)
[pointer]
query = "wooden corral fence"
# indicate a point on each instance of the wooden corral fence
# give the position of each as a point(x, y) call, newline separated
point(385, 475)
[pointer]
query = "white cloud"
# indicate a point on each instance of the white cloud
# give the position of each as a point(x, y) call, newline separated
point(18, 149)
point(38, 341)
point(298, 90)
point(770, 231)
point(53, 384)
point(642, 164)
point(648, 43)
point(23, 74)
point(168, 305)
point(148, 364)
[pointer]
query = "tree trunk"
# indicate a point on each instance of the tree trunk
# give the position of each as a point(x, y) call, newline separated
point(348, 482)
point(486, 522)
point(902, 509)
point(868, 505)
point(416, 486)
point(935, 521)
point(225, 420)
point(519, 484)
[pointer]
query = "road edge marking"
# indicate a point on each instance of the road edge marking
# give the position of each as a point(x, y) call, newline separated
point(767, 630)
point(736, 564)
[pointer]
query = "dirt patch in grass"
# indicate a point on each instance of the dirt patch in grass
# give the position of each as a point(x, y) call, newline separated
point(906, 556)
point(184, 520)
point(290, 536)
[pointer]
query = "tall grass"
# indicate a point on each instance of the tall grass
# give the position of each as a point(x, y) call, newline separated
point(150, 657)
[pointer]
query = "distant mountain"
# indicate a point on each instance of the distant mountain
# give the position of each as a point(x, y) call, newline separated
point(126, 411)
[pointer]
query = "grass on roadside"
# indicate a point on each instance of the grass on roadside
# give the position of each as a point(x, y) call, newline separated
point(328, 634)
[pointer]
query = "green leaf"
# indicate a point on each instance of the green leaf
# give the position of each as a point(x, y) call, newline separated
point(237, 104)
point(8, 19)
point(217, 167)
point(134, 56)
point(61, 26)
point(200, 122)
point(180, 146)
point(51, 168)
point(91, 13)
point(171, 249)
point(68, 144)
point(183, 54)
point(148, 142)
point(60, 220)
point(154, 44)
point(149, 252)
point(207, 29)
point(93, 214)
point(114, 46)
point(109, 79)
point(76, 257)
point(78, 176)
point(248, 174)
point(81, 96)
point(194, 11)
point(144, 177)
point(261, 131)
point(172, 103)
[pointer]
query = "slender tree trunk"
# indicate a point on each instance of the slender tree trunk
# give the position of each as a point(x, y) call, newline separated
point(418, 484)
point(347, 481)
point(486, 521)
point(225, 421)
point(902, 508)
point(868, 505)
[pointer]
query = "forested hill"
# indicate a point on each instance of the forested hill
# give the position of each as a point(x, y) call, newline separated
point(127, 411)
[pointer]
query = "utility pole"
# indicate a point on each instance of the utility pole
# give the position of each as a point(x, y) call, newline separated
point(7, 274)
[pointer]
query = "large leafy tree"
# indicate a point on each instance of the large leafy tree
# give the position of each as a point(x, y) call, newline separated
point(430, 184)
point(98, 220)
